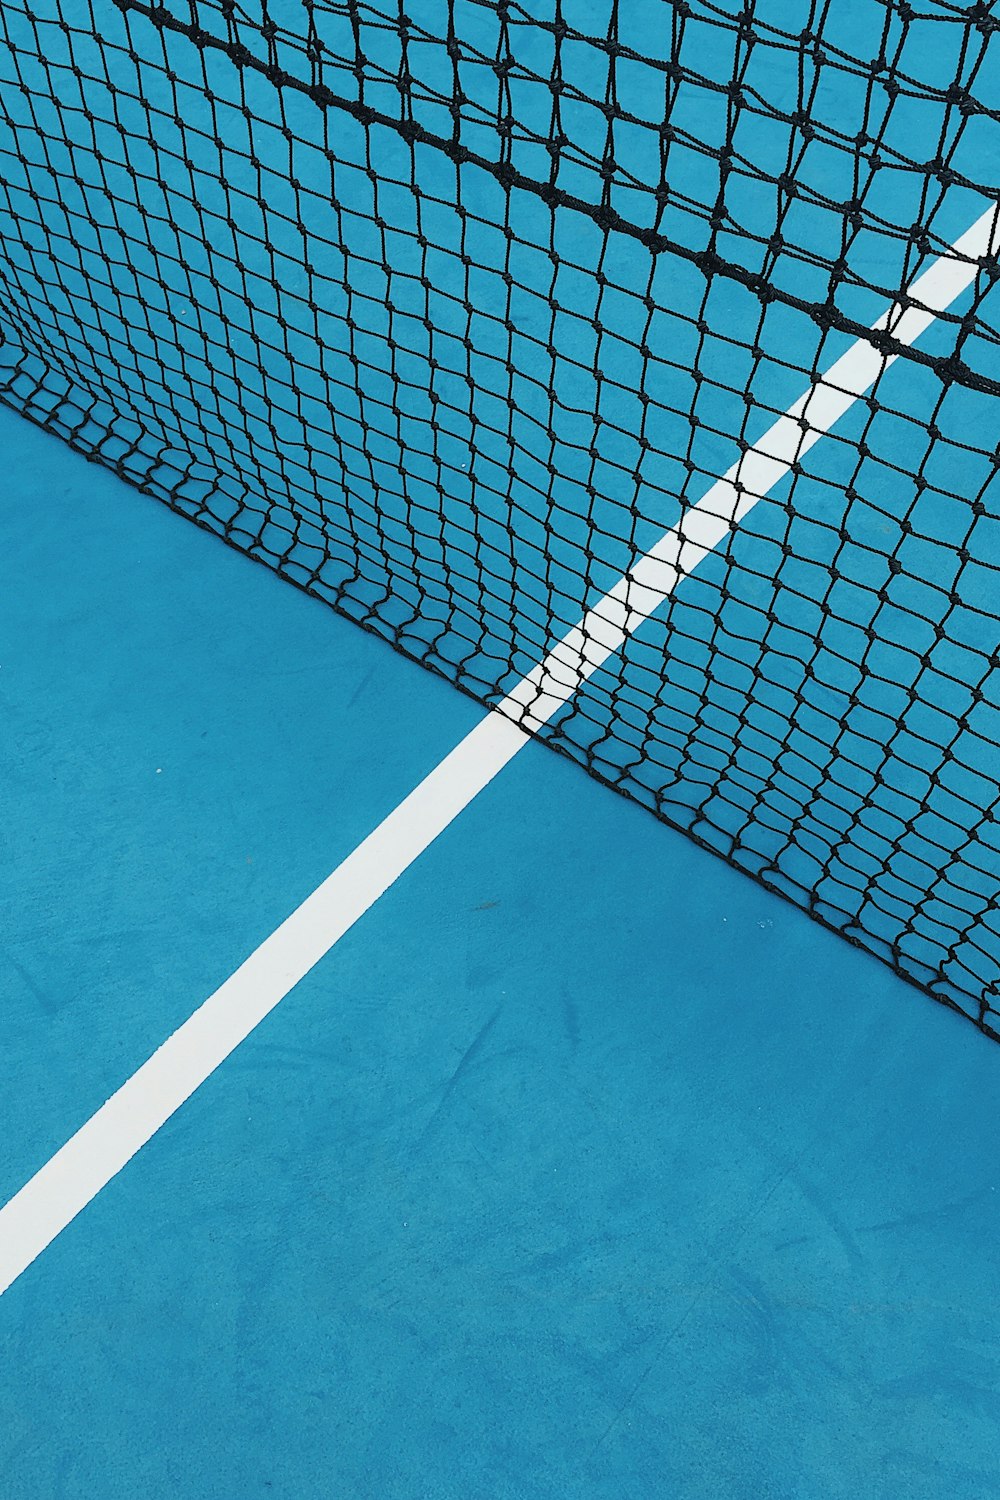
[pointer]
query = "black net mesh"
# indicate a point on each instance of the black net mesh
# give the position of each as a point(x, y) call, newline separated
point(449, 326)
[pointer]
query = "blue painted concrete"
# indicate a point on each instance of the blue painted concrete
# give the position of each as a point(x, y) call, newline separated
point(582, 1166)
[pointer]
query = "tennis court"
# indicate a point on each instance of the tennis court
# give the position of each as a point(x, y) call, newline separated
point(390, 1108)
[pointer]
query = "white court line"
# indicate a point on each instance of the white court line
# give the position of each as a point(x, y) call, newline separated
point(97, 1152)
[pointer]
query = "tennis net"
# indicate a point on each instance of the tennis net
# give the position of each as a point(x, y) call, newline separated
point(453, 326)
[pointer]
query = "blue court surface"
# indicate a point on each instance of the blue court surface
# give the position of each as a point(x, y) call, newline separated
point(580, 1166)
point(524, 1149)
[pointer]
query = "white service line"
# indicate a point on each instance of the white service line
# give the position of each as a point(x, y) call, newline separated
point(43, 1208)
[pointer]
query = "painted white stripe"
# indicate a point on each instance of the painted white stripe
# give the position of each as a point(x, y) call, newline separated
point(62, 1188)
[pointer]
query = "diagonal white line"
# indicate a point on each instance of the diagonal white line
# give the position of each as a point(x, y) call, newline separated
point(62, 1188)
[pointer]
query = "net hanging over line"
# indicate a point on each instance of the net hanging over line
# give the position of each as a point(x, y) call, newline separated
point(453, 327)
